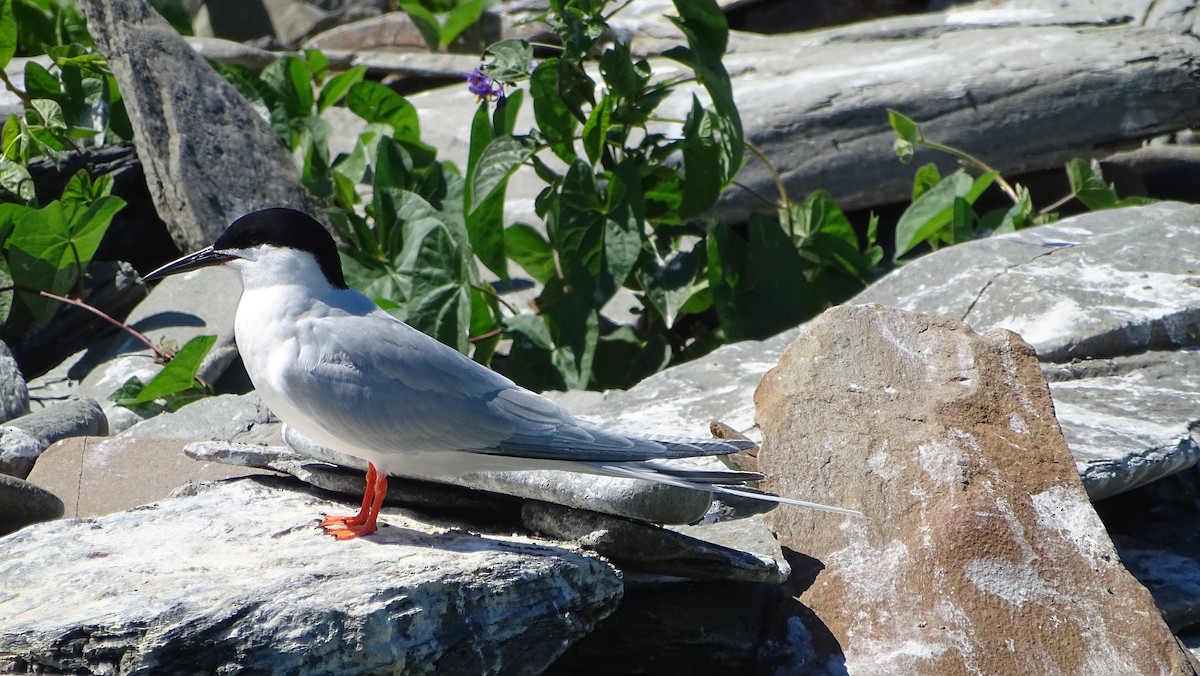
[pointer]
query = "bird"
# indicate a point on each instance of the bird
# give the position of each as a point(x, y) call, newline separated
point(330, 363)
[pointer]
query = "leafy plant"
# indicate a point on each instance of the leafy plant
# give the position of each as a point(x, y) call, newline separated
point(458, 15)
point(49, 248)
point(623, 207)
point(173, 387)
point(942, 211)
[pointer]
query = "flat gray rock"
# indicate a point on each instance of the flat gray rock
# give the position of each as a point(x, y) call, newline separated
point(23, 439)
point(22, 503)
point(238, 577)
point(1111, 302)
point(689, 552)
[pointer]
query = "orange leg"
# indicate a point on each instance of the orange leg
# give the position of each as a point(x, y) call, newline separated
point(363, 523)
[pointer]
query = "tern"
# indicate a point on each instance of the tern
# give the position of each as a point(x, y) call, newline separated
point(334, 366)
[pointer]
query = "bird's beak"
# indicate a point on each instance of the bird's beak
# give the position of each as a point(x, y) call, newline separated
point(194, 261)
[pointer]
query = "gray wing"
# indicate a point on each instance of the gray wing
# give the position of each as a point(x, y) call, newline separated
point(384, 385)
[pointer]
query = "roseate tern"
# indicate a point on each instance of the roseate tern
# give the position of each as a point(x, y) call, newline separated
point(341, 371)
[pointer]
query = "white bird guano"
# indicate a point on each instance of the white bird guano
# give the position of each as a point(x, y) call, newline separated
point(337, 368)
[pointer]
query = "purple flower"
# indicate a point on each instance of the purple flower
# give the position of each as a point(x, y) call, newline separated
point(483, 86)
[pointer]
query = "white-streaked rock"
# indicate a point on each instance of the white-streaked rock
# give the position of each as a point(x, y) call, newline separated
point(1111, 302)
point(237, 576)
point(977, 534)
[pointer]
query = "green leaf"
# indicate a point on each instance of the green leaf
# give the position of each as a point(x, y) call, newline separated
point(318, 64)
point(702, 160)
point(41, 83)
point(669, 286)
point(175, 14)
point(511, 61)
point(503, 156)
point(15, 179)
point(757, 282)
point(627, 359)
point(49, 114)
point(577, 231)
point(625, 77)
point(575, 330)
point(704, 26)
point(425, 21)
point(485, 227)
point(595, 130)
point(926, 177)
point(623, 227)
point(934, 210)
point(530, 250)
point(337, 87)
point(554, 119)
point(50, 247)
point(504, 120)
point(179, 374)
point(481, 135)
point(905, 129)
point(82, 189)
point(460, 18)
point(374, 102)
point(8, 33)
point(290, 80)
point(1088, 186)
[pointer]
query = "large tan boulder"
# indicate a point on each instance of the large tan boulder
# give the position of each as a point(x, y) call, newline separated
point(979, 551)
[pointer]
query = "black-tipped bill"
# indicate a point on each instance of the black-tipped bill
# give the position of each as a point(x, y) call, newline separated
point(201, 259)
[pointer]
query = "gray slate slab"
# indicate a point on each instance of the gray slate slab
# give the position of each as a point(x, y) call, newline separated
point(209, 156)
point(238, 577)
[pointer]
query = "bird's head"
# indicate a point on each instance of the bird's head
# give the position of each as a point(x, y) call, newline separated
point(267, 243)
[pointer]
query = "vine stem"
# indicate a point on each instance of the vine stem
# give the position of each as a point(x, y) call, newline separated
point(25, 99)
point(158, 352)
point(784, 202)
point(967, 157)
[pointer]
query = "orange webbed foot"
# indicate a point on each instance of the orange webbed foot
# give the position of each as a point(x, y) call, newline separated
point(363, 523)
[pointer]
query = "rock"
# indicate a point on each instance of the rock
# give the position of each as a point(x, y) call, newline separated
point(282, 22)
point(227, 417)
point(22, 503)
point(642, 547)
point(968, 76)
point(19, 450)
point(686, 627)
point(424, 495)
point(96, 476)
point(146, 462)
point(14, 395)
point(181, 307)
point(230, 53)
point(195, 583)
point(627, 498)
point(946, 439)
point(23, 439)
point(209, 156)
point(1111, 301)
